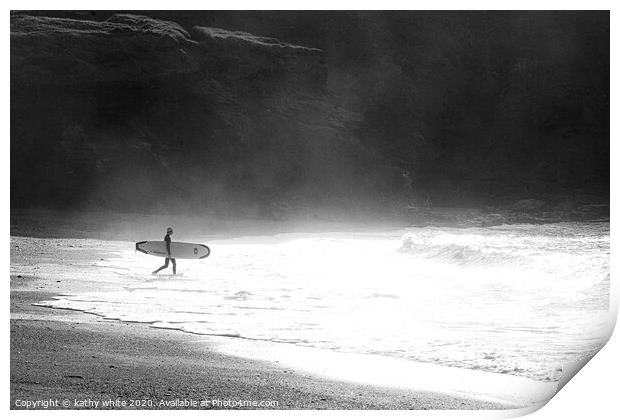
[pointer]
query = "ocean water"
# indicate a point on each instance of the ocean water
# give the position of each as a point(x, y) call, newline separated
point(519, 300)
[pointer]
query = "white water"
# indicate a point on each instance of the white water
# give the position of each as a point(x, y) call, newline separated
point(520, 300)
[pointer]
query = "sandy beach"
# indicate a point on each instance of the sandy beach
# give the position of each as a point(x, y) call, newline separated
point(68, 355)
point(82, 358)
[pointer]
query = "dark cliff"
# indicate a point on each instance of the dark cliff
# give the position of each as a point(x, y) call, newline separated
point(323, 109)
point(136, 113)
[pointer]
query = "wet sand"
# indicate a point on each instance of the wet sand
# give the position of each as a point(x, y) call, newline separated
point(58, 354)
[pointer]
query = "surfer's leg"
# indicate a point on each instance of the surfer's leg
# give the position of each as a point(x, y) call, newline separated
point(174, 265)
point(162, 267)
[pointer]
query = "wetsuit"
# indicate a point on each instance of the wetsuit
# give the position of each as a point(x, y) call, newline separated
point(168, 259)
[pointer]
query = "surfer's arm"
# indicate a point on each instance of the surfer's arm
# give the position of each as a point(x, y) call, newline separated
point(168, 247)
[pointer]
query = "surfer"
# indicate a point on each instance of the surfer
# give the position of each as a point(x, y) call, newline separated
point(169, 257)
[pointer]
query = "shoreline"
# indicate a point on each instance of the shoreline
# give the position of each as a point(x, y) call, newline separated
point(52, 348)
point(41, 223)
point(378, 370)
point(63, 354)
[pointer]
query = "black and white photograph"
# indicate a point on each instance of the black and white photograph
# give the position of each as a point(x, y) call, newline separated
point(307, 209)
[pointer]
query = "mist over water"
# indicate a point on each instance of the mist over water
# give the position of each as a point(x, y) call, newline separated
point(520, 299)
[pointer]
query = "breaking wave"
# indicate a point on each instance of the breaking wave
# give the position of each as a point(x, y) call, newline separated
point(455, 253)
point(456, 297)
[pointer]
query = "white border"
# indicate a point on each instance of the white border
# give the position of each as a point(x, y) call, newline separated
point(591, 394)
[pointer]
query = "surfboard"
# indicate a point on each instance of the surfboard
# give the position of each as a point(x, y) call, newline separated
point(181, 250)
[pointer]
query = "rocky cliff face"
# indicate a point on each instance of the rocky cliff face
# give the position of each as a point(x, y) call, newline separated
point(137, 113)
point(323, 109)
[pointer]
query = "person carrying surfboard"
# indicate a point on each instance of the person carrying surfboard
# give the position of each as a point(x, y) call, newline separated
point(169, 257)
